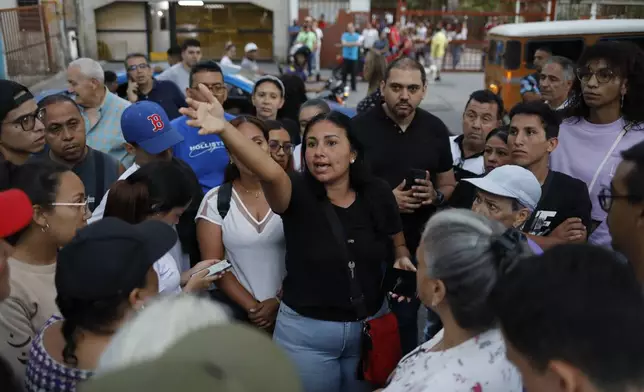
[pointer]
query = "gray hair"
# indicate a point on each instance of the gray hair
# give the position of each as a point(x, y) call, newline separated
point(157, 327)
point(318, 103)
point(458, 249)
point(89, 68)
point(566, 64)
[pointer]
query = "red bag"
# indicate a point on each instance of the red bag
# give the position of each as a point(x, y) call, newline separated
point(381, 350)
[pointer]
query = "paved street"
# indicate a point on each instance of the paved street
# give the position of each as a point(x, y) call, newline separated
point(445, 99)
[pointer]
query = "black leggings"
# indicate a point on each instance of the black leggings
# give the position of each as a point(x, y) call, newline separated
point(349, 68)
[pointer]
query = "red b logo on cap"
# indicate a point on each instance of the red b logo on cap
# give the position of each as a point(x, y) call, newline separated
point(157, 122)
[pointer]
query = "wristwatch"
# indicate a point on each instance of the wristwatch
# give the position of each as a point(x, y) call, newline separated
point(439, 199)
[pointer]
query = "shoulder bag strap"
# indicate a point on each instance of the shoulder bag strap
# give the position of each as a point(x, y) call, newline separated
point(224, 194)
point(607, 156)
point(357, 297)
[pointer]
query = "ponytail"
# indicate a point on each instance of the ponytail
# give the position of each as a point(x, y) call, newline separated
point(69, 333)
point(128, 201)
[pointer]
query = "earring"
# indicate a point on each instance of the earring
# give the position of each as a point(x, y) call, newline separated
point(353, 160)
point(622, 104)
point(44, 229)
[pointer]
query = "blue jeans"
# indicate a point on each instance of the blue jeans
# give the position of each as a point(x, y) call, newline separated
point(326, 353)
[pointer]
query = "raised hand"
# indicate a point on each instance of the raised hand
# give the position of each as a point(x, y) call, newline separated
point(207, 116)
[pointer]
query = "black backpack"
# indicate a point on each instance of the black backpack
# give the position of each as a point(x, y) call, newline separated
point(224, 194)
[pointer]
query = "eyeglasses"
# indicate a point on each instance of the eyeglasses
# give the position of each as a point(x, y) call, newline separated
point(28, 121)
point(215, 89)
point(275, 146)
point(606, 198)
point(138, 66)
point(603, 75)
point(84, 205)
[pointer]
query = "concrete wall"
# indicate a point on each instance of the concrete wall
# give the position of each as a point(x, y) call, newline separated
point(122, 16)
point(281, 17)
point(8, 4)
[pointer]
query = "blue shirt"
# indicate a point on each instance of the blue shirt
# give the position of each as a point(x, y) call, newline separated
point(350, 52)
point(106, 134)
point(205, 154)
point(167, 95)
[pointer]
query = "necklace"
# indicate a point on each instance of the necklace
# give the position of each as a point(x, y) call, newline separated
point(256, 193)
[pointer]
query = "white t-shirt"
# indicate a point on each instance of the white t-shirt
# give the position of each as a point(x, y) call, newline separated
point(478, 364)
point(249, 64)
point(297, 157)
point(226, 61)
point(421, 32)
point(168, 273)
point(179, 75)
point(369, 37)
point(256, 250)
point(320, 35)
point(474, 165)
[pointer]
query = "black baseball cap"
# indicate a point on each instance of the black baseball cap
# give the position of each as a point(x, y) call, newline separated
point(12, 95)
point(111, 257)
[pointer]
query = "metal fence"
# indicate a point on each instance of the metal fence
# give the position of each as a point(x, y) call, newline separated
point(32, 44)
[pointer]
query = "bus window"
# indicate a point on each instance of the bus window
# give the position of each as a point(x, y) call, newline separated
point(570, 48)
point(491, 55)
point(637, 40)
point(512, 55)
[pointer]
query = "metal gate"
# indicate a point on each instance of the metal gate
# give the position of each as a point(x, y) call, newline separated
point(468, 55)
point(32, 48)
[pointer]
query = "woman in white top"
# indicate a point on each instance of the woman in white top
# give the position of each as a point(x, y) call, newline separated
point(248, 234)
point(229, 53)
point(160, 191)
point(308, 110)
point(459, 260)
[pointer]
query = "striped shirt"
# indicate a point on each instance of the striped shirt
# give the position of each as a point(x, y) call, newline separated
point(106, 135)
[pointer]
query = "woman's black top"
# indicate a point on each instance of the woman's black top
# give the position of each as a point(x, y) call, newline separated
point(317, 283)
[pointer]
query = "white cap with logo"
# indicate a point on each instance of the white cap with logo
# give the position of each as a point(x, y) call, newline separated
point(251, 46)
point(511, 181)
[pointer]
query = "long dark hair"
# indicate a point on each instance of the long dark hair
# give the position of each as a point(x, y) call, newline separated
point(39, 180)
point(627, 61)
point(294, 97)
point(155, 188)
point(501, 132)
point(231, 172)
point(275, 125)
point(359, 174)
point(96, 316)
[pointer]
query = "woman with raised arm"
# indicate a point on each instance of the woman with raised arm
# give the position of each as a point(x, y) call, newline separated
point(342, 228)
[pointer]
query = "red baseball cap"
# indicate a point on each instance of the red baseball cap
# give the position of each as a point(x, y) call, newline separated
point(15, 211)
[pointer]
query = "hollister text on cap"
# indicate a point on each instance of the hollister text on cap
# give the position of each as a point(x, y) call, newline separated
point(146, 124)
point(511, 181)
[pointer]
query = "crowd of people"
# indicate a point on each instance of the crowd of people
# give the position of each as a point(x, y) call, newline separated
point(522, 236)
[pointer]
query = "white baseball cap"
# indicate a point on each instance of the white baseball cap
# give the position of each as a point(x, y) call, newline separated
point(251, 46)
point(511, 181)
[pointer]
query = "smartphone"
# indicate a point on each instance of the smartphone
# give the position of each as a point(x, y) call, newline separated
point(412, 176)
point(400, 282)
point(217, 268)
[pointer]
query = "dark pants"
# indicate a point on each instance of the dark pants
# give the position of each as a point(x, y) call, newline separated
point(236, 311)
point(349, 68)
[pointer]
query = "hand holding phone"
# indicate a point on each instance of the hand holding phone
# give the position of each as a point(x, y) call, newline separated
point(412, 176)
point(217, 268)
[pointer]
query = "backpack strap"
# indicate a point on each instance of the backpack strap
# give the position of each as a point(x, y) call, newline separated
point(223, 198)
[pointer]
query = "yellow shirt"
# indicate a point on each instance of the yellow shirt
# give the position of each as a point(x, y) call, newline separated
point(439, 44)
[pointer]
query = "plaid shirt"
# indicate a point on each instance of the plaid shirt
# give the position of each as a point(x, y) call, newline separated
point(106, 135)
point(530, 84)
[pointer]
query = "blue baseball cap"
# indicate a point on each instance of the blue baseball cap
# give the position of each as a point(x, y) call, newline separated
point(146, 124)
